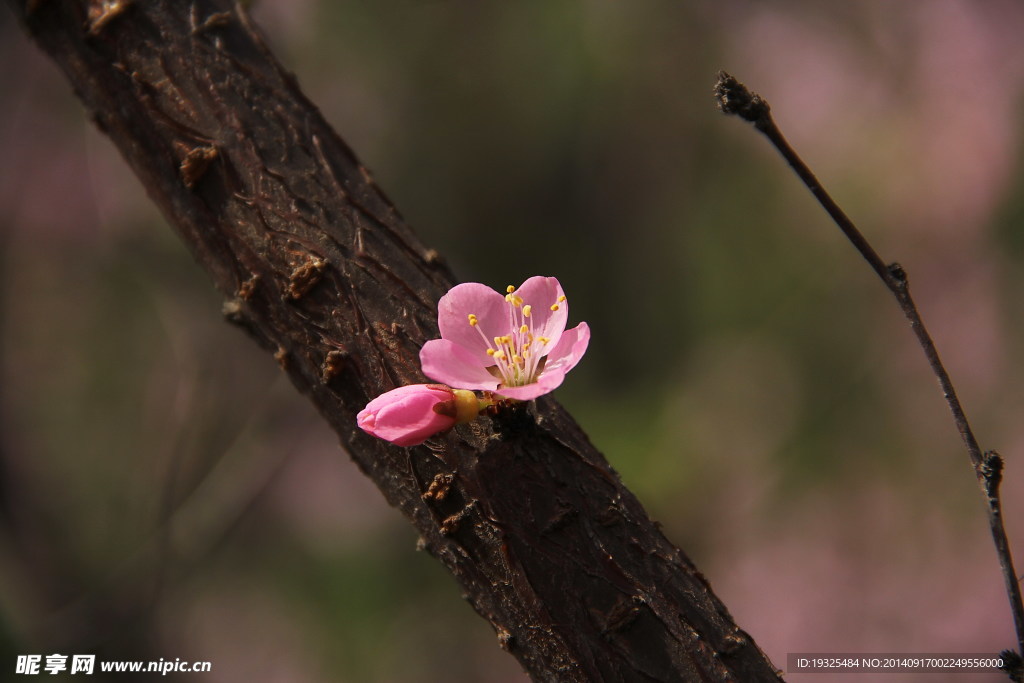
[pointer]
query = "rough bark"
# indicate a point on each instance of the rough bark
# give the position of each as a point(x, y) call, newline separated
point(318, 266)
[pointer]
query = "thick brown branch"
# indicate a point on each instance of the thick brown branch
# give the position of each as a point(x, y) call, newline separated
point(317, 265)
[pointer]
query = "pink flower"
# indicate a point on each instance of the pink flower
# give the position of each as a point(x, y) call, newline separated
point(515, 345)
point(409, 415)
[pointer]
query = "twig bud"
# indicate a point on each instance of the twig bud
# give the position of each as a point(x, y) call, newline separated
point(734, 98)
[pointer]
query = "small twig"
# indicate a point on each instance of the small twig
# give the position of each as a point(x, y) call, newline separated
point(734, 98)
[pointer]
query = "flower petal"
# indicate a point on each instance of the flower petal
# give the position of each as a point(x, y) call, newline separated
point(455, 365)
point(569, 350)
point(490, 308)
point(541, 293)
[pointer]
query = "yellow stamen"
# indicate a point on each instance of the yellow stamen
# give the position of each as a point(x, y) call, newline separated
point(554, 307)
point(561, 298)
point(510, 289)
point(526, 310)
point(473, 320)
point(524, 329)
point(490, 352)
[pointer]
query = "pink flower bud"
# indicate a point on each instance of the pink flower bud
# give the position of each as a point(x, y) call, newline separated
point(409, 415)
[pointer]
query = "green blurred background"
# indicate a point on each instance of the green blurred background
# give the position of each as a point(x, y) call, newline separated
point(166, 493)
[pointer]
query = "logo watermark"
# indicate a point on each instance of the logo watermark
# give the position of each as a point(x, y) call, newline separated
point(87, 665)
point(888, 662)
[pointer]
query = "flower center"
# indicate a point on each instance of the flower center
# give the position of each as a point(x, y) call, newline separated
point(519, 354)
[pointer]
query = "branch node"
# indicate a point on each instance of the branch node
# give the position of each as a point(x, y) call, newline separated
point(103, 12)
point(248, 287)
point(439, 487)
point(897, 275)
point(505, 638)
point(991, 471)
point(451, 524)
point(195, 164)
point(215, 20)
point(303, 277)
point(333, 364)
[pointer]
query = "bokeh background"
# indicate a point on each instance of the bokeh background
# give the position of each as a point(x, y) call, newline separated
point(166, 493)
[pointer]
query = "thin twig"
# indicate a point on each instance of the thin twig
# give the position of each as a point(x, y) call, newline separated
point(734, 98)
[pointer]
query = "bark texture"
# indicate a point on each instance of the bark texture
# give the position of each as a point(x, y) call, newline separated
point(319, 268)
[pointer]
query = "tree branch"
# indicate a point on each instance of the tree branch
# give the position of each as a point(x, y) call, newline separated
point(318, 266)
point(734, 98)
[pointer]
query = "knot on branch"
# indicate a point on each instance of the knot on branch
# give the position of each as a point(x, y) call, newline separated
point(439, 487)
point(734, 98)
point(195, 164)
point(334, 363)
point(102, 12)
point(991, 471)
point(897, 276)
point(304, 276)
